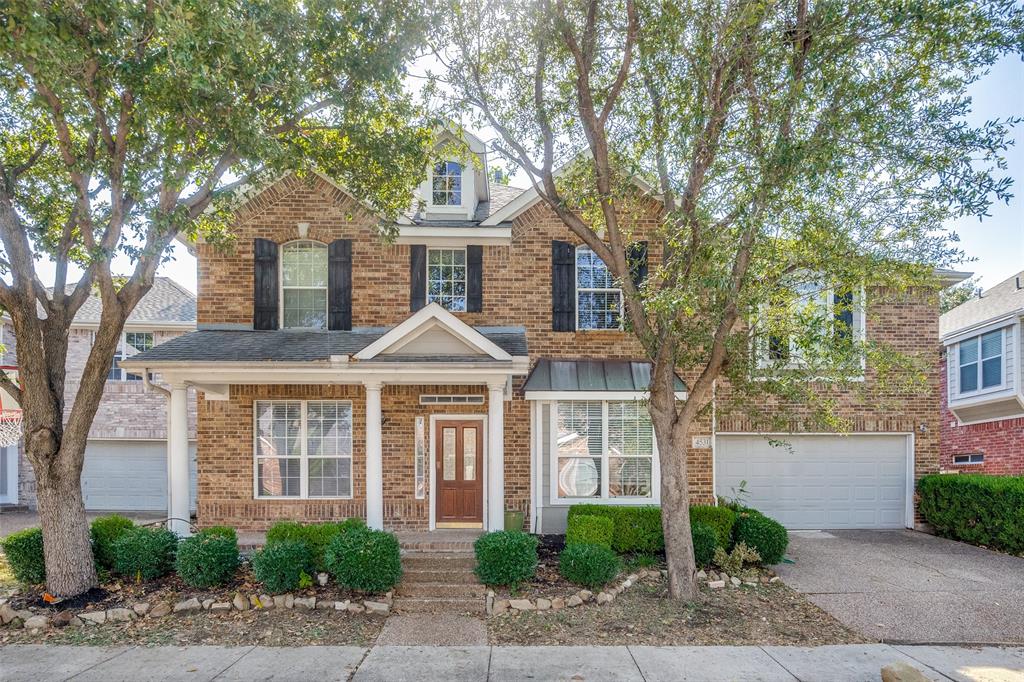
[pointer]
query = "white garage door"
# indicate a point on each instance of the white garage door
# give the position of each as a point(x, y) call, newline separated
point(818, 481)
point(129, 476)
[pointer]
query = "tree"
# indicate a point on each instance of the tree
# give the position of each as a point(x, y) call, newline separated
point(798, 148)
point(953, 296)
point(119, 122)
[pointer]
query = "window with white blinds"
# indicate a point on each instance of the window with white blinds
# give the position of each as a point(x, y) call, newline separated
point(603, 450)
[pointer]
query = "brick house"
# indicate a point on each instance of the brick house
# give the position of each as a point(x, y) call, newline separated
point(126, 456)
point(983, 383)
point(476, 365)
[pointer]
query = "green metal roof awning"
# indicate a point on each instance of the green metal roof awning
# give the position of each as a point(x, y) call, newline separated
point(589, 376)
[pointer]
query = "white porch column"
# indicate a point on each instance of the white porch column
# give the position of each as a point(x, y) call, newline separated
point(374, 458)
point(178, 488)
point(496, 456)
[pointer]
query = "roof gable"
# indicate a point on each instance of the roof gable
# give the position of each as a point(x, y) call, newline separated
point(433, 331)
point(1003, 300)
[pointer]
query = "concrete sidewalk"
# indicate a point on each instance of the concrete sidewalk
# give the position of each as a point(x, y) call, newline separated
point(856, 663)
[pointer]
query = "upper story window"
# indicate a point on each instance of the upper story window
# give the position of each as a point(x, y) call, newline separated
point(131, 343)
point(446, 278)
point(446, 188)
point(598, 300)
point(981, 362)
point(830, 316)
point(304, 285)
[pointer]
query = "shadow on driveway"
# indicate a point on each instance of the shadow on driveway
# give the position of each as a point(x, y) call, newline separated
point(905, 586)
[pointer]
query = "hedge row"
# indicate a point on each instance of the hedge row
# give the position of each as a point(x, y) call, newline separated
point(975, 508)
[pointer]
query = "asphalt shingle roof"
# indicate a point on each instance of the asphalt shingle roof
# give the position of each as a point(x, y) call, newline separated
point(166, 302)
point(286, 345)
point(592, 375)
point(1002, 299)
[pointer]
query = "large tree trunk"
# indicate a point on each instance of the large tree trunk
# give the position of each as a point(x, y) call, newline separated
point(675, 505)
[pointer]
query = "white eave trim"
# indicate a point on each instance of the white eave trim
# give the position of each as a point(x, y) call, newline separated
point(594, 395)
point(454, 236)
point(433, 315)
point(982, 327)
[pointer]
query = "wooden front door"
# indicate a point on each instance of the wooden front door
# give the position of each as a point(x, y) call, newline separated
point(459, 471)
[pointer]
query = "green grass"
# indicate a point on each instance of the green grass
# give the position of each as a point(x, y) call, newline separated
point(6, 576)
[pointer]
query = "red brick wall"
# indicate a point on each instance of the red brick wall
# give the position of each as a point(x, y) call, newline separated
point(1002, 442)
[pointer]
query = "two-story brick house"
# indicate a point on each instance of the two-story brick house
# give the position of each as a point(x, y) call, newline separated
point(126, 456)
point(475, 365)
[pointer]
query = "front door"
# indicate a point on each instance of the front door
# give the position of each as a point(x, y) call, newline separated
point(459, 472)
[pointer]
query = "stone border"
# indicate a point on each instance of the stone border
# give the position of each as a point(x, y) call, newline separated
point(31, 620)
point(499, 607)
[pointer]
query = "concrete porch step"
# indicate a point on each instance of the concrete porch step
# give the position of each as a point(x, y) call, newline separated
point(439, 605)
point(437, 561)
point(455, 576)
point(440, 589)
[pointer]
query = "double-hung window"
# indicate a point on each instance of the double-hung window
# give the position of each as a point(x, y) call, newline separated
point(981, 362)
point(603, 450)
point(303, 448)
point(131, 343)
point(446, 278)
point(598, 300)
point(811, 314)
point(304, 285)
point(446, 188)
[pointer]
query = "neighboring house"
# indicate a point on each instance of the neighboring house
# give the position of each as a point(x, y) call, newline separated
point(126, 457)
point(983, 385)
point(478, 365)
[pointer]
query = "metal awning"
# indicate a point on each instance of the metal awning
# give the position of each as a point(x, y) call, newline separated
point(567, 379)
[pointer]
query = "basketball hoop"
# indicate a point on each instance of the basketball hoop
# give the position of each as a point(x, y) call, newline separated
point(10, 427)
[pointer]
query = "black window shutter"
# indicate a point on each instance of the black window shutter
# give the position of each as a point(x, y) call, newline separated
point(339, 284)
point(474, 279)
point(264, 314)
point(563, 286)
point(417, 276)
point(844, 314)
point(636, 256)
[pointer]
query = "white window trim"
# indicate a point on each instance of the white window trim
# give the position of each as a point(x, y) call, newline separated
point(969, 463)
point(960, 393)
point(579, 289)
point(303, 453)
point(281, 287)
point(557, 500)
point(459, 207)
point(120, 353)
point(465, 272)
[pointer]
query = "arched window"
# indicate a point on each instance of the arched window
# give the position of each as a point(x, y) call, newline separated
point(447, 184)
point(304, 285)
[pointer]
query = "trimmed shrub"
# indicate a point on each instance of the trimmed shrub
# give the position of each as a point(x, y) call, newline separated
point(505, 557)
point(732, 562)
point(365, 560)
point(316, 535)
point(588, 565)
point(590, 530)
point(104, 531)
point(763, 534)
point(24, 551)
point(705, 540)
point(280, 566)
point(637, 529)
point(720, 519)
point(207, 559)
point(975, 508)
point(221, 532)
point(144, 553)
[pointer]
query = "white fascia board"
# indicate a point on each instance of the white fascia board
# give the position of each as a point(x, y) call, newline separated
point(983, 327)
point(594, 395)
point(525, 200)
point(454, 236)
point(434, 315)
point(394, 373)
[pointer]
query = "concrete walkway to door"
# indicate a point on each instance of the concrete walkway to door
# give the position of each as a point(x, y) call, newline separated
point(905, 586)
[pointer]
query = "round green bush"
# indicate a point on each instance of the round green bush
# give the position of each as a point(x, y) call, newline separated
point(144, 553)
point(221, 532)
point(766, 535)
point(281, 565)
point(207, 559)
point(588, 565)
point(705, 539)
point(590, 530)
point(364, 560)
point(720, 519)
point(316, 535)
point(505, 557)
point(24, 551)
point(104, 531)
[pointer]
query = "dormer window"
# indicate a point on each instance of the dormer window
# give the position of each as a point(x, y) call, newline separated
point(304, 285)
point(447, 184)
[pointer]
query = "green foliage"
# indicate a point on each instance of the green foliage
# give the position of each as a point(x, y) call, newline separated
point(24, 551)
point(590, 530)
point(365, 560)
point(733, 562)
point(767, 536)
point(705, 540)
point(588, 565)
point(974, 508)
point(720, 519)
point(953, 296)
point(280, 565)
point(316, 536)
point(641, 561)
point(505, 557)
point(207, 559)
point(144, 553)
point(104, 531)
point(222, 532)
point(637, 529)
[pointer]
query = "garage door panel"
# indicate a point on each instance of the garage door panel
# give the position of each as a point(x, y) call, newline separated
point(128, 476)
point(818, 481)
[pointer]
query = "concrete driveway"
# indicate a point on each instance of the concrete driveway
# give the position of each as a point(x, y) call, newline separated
point(904, 586)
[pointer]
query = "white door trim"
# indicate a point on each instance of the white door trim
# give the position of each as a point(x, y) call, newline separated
point(434, 418)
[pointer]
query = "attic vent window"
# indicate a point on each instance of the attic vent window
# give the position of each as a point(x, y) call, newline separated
point(451, 400)
point(975, 458)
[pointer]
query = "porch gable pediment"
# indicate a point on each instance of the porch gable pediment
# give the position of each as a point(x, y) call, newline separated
point(433, 331)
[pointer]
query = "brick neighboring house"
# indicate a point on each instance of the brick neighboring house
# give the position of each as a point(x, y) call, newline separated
point(983, 385)
point(477, 365)
point(126, 456)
